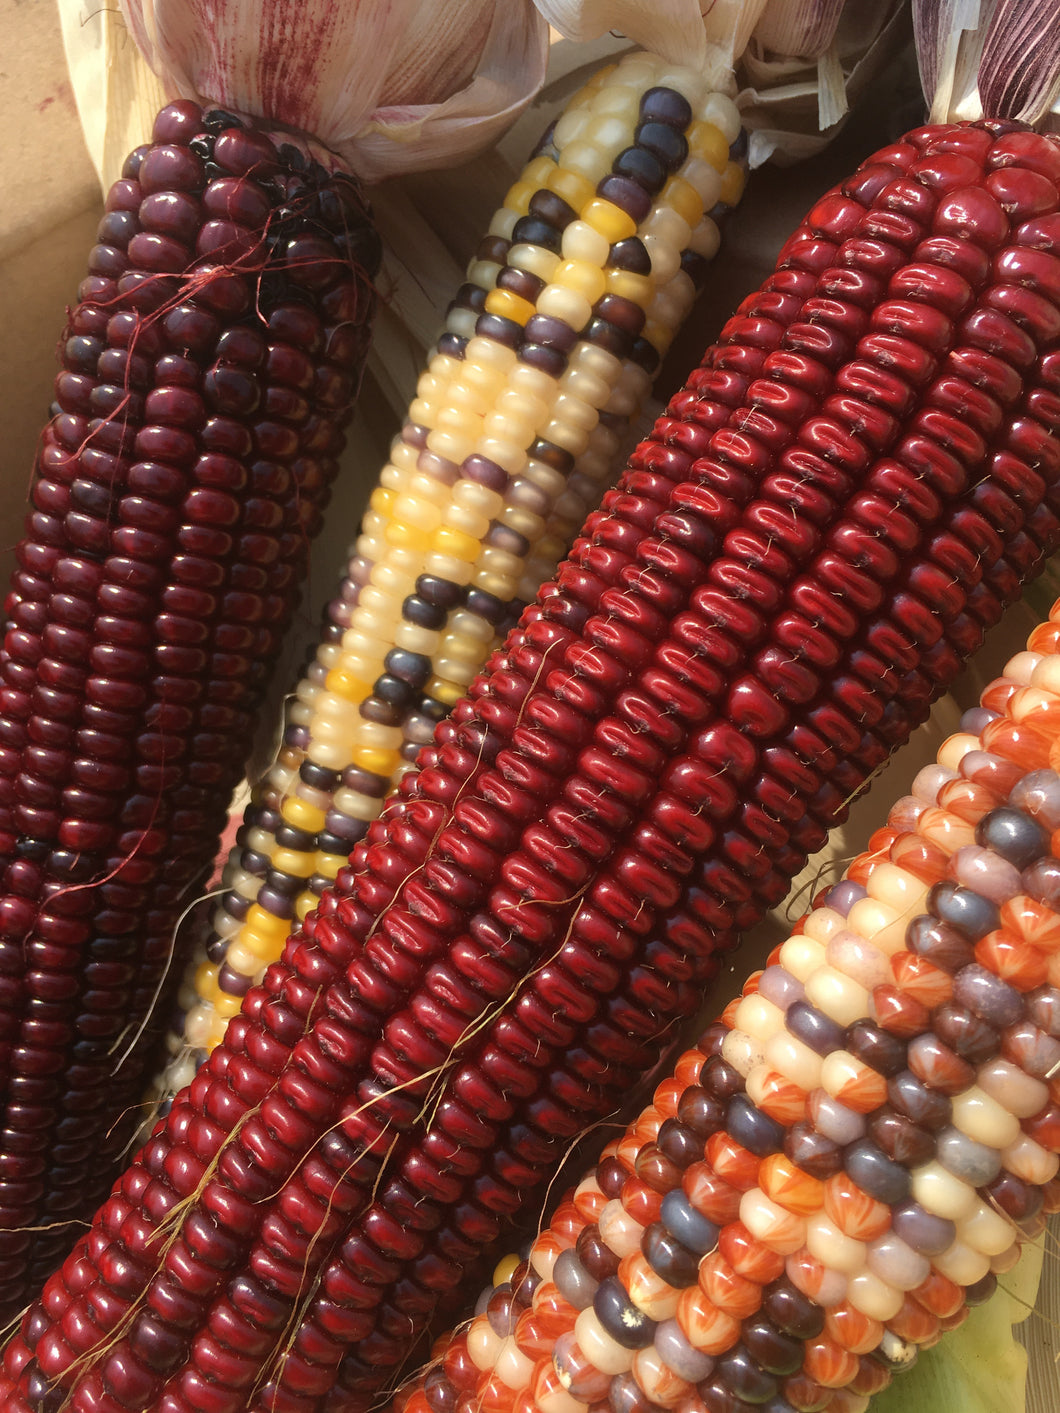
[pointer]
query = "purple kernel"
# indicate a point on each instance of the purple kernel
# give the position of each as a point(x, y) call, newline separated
point(990, 998)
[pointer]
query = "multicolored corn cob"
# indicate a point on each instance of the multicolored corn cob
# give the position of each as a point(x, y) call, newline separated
point(846, 1161)
point(876, 429)
point(587, 271)
point(208, 373)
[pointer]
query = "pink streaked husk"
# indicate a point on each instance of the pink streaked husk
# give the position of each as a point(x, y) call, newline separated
point(388, 88)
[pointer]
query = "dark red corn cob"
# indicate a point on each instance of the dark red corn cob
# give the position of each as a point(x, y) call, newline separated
point(707, 651)
point(208, 373)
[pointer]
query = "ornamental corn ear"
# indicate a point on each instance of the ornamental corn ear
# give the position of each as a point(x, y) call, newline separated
point(850, 1157)
point(208, 371)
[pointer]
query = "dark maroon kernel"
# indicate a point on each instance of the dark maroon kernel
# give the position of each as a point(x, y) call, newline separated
point(739, 1372)
point(939, 943)
point(874, 1047)
point(776, 1353)
point(926, 1107)
point(792, 1312)
point(811, 1151)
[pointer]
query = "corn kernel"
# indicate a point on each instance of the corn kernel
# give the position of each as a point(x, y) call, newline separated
point(637, 288)
point(379, 762)
point(708, 142)
point(575, 190)
point(293, 862)
point(610, 220)
point(732, 183)
point(517, 197)
point(446, 540)
point(302, 816)
point(344, 684)
point(508, 305)
point(684, 199)
point(408, 537)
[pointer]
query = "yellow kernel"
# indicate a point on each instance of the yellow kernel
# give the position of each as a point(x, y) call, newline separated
point(305, 904)
point(302, 816)
point(684, 198)
point(206, 981)
point(379, 762)
point(505, 1269)
point(610, 220)
point(408, 537)
point(328, 865)
point(344, 684)
point(417, 512)
point(578, 275)
point(446, 540)
point(226, 1005)
point(517, 197)
point(708, 142)
point(538, 170)
point(382, 500)
point(575, 190)
point(637, 288)
point(732, 183)
point(266, 949)
point(259, 919)
point(218, 1026)
point(508, 305)
point(449, 693)
point(293, 862)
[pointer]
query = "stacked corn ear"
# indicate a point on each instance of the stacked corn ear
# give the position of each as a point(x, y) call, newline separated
point(208, 372)
point(848, 490)
point(846, 1161)
point(587, 271)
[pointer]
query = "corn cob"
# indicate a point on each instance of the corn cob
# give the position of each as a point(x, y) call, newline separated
point(845, 1162)
point(265, 1156)
point(535, 351)
point(207, 376)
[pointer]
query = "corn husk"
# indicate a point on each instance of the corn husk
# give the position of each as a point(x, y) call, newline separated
point(386, 88)
point(999, 57)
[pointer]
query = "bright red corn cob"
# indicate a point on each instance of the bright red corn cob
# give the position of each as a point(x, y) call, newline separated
point(651, 740)
point(208, 374)
point(846, 1161)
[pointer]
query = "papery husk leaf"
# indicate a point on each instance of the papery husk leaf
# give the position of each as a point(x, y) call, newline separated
point(388, 88)
point(942, 30)
point(792, 107)
point(1019, 71)
point(981, 1367)
point(802, 29)
point(680, 30)
point(117, 95)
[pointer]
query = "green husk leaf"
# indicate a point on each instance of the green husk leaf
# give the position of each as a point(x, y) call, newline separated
point(980, 1368)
